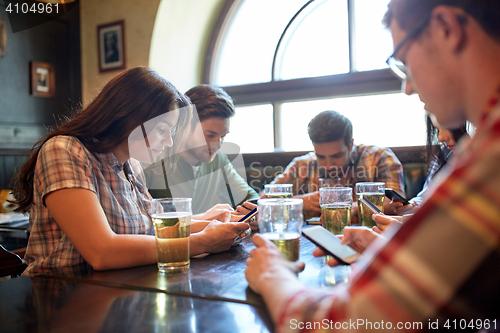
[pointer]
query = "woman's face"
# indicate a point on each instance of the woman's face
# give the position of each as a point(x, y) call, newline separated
point(159, 136)
point(446, 137)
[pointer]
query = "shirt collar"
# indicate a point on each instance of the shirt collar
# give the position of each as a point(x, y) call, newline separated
point(111, 160)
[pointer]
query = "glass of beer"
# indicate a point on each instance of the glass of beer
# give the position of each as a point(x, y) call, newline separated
point(336, 204)
point(278, 191)
point(280, 221)
point(172, 221)
point(375, 192)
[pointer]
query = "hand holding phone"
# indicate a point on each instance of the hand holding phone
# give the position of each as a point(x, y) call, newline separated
point(395, 196)
point(247, 217)
point(330, 244)
point(248, 232)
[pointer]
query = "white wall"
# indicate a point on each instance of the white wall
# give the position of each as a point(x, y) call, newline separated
point(175, 31)
point(180, 35)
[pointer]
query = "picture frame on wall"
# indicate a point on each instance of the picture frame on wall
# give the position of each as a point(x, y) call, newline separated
point(3, 38)
point(111, 46)
point(42, 79)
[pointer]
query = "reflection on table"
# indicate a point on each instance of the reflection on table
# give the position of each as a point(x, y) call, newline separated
point(52, 305)
point(212, 296)
point(219, 276)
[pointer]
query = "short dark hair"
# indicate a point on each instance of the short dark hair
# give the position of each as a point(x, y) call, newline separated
point(329, 126)
point(408, 13)
point(211, 102)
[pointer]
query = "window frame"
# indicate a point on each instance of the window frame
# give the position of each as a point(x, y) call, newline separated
point(276, 92)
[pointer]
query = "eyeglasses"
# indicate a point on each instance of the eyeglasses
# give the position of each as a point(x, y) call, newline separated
point(394, 64)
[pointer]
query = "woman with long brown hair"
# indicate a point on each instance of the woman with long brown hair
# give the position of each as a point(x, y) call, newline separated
point(82, 212)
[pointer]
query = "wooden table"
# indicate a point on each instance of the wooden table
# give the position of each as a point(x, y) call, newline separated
point(212, 296)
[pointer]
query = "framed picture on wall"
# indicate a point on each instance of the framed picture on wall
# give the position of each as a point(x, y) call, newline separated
point(3, 38)
point(42, 79)
point(111, 46)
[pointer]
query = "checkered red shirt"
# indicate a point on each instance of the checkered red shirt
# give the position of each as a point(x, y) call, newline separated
point(443, 264)
point(371, 164)
point(64, 162)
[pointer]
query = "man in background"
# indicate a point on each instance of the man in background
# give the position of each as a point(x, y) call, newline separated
point(337, 158)
point(202, 172)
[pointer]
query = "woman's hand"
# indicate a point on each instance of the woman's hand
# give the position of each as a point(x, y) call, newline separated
point(266, 264)
point(216, 237)
point(220, 212)
point(384, 221)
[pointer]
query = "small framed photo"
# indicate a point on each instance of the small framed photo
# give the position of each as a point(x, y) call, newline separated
point(111, 40)
point(42, 78)
point(3, 38)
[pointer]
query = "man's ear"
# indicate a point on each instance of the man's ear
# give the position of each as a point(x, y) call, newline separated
point(450, 23)
point(352, 144)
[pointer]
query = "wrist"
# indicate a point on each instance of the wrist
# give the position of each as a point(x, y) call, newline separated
point(197, 244)
point(276, 288)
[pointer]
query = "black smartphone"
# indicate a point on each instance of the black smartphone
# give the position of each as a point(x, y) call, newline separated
point(327, 241)
point(395, 196)
point(370, 205)
point(249, 215)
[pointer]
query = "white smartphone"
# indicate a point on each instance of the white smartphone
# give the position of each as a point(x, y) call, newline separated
point(327, 241)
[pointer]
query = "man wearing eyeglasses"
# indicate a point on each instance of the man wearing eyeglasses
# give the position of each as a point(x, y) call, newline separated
point(441, 268)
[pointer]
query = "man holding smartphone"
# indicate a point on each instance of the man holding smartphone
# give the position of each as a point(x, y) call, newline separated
point(202, 172)
point(336, 157)
point(440, 268)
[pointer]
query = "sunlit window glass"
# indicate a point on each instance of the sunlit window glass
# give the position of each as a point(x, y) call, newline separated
point(318, 44)
point(389, 120)
point(247, 50)
point(372, 41)
point(252, 129)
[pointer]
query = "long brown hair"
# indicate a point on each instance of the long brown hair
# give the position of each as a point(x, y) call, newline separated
point(126, 101)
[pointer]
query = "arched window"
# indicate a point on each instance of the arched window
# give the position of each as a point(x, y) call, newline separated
point(284, 61)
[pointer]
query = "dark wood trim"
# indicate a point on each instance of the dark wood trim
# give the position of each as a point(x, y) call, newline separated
point(350, 84)
point(226, 12)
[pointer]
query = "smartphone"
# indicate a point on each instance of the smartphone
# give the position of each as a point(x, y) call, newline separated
point(370, 205)
point(313, 220)
point(395, 196)
point(247, 232)
point(247, 217)
point(327, 241)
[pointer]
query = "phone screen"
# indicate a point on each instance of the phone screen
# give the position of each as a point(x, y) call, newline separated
point(370, 205)
point(331, 244)
point(249, 215)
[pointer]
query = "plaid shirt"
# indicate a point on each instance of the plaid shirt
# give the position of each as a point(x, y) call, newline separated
point(64, 162)
point(443, 264)
point(367, 164)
